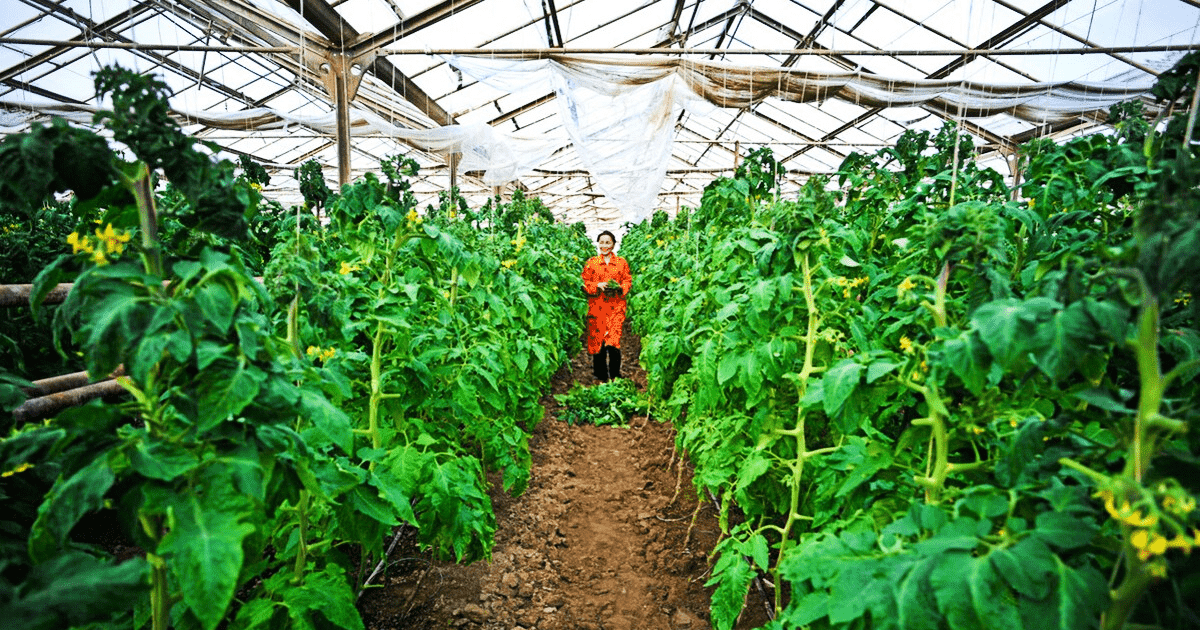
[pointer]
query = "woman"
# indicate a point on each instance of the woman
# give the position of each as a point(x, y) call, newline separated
point(606, 280)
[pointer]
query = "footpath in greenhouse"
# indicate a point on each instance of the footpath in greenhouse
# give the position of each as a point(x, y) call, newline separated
point(594, 543)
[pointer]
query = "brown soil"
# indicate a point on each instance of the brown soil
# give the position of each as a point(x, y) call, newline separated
point(594, 543)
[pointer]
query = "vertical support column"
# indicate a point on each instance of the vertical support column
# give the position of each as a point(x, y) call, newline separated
point(341, 100)
point(454, 159)
point(341, 75)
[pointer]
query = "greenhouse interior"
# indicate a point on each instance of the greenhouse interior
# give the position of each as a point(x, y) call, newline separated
point(666, 315)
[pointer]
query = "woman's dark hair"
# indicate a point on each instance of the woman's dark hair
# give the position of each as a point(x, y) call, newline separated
point(610, 235)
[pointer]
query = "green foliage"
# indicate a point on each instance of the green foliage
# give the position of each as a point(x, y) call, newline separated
point(610, 403)
point(244, 463)
point(312, 184)
point(218, 201)
point(914, 388)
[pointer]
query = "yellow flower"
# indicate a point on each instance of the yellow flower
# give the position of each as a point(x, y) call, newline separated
point(1137, 520)
point(347, 268)
point(1148, 543)
point(906, 345)
point(76, 244)
point(508, 264)
point(1181, 541)
point(114, 240)
point(907, 285)
point(328, 354)
point(98, 258)
point(312, 350)
point(446, 294)
point(412, 216)
point(19, 469)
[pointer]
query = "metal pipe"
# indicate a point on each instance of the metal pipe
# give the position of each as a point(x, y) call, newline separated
point(542, 53)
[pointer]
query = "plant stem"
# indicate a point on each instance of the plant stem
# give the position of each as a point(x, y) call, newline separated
point(302, 549)
point(160, 602)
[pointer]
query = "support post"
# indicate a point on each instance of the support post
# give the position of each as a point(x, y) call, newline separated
point(341, 75)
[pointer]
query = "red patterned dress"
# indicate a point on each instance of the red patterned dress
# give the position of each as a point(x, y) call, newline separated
point(606, 314)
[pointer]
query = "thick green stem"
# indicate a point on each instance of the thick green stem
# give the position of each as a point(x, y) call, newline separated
point(148, 216)
point(1151, 394)
point(797, 433)
point(302, 546)
point(160, 597)
point(376, 387)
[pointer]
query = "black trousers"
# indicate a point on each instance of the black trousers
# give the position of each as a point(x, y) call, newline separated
point(606, 364)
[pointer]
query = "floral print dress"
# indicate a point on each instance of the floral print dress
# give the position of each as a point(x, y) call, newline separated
point(606, 314)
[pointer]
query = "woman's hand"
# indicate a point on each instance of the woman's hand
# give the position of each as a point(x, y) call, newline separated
point(602, 285)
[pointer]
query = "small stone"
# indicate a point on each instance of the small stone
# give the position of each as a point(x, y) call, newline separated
point(549, 609)
point(510, 580)
point(474, 612)
point(681, 619)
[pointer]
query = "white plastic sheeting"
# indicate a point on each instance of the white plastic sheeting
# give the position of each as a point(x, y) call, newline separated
point(620, 115)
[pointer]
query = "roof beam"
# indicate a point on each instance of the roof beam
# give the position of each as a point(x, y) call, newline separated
point(1013, 31)
point(360, 44)
point(331, 25)
point(1079, 39)
point(104, 28)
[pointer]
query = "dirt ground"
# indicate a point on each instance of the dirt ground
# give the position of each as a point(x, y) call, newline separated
point(595, 543)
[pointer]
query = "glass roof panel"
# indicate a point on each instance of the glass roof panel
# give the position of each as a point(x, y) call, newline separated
point(367, 16)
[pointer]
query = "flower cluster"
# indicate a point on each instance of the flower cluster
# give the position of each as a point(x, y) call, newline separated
point(321, 354)
point(508, 264)
point(9, 229)
point(1157, 526)
point(519, 242)
point(106, 243)
point(413, 218)
point(848, 284)
point(347, 268)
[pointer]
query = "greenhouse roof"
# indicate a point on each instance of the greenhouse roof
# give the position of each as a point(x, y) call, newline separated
point(604, 109)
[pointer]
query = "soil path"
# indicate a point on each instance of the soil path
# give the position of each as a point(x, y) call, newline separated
point(595, 543)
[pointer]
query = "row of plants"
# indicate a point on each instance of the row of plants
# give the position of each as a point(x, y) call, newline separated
point(927, 400)
point(276, 431)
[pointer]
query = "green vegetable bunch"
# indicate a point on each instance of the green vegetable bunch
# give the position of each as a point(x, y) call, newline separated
point(611, 403)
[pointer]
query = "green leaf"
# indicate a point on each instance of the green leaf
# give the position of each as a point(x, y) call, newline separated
point(732, 575)
point(1026, 566)
point(74, 589)
point(840, 382)
point(1063, 530)
point(972, 595)
point(68, 500)
point(327, 592)
point(332, 422)
point(203, 550)
point(1008, 327)
point(366, 501)
point(1100, 398)
point(728, 367)
point(916, 607)
point(878, 369)
point(162, 460)
point(223, 393)
point(1076, 600)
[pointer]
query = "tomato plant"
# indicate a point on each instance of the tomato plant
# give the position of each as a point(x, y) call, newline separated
point(924, 402)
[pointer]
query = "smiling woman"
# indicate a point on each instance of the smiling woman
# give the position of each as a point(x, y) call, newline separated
point(606, 280)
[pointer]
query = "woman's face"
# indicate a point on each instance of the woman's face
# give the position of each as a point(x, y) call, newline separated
point(605, 244)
